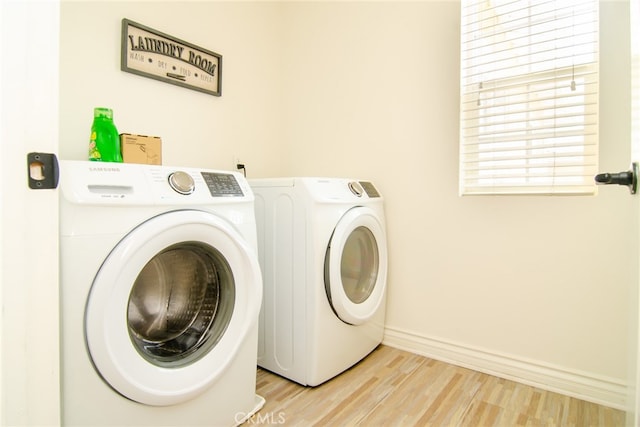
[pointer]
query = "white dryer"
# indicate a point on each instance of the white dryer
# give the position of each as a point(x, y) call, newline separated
point(160, 295)
point(323, 252)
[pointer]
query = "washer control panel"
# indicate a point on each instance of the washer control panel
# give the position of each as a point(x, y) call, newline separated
point(219, 184)
point(133, 184)
point(222, 184)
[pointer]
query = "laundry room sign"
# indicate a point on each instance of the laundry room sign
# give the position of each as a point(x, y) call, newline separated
point(152, 54)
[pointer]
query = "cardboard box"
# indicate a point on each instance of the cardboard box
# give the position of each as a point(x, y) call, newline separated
point(141, 149)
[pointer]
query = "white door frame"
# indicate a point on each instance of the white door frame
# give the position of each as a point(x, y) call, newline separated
point(29, 120)
point(633, 379)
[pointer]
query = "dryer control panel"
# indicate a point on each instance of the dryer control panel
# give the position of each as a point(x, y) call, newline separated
point(369, 189)
point(363, 187)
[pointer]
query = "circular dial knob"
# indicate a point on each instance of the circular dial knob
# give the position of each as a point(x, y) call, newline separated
point(182, 182)
point(356, 188)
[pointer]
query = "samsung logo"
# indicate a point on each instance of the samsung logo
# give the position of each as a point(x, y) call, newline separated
point(103, 169)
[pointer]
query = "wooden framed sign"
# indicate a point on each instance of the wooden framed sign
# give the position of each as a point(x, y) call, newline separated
point(152, 54)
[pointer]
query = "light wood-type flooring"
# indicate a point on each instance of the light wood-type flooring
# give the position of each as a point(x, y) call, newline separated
point(392, 387)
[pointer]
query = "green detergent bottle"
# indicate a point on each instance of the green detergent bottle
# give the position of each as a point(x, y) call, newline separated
point(104, 144)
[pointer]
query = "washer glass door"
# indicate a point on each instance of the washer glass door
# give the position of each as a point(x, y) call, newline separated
point(171, 306)
point(180, 304)
point(356, 266)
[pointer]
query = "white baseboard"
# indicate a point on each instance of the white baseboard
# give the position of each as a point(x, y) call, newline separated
point(602, 390)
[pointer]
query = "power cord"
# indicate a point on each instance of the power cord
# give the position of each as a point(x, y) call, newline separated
point(240, 166)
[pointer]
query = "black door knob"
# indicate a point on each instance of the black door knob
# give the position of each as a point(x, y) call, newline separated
point(627, 178)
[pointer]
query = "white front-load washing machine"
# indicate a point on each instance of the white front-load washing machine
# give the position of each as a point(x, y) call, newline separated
point(160, 296)
point(323, 252)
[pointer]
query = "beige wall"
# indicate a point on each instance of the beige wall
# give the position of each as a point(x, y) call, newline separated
point(196, 129)
point(370, 90)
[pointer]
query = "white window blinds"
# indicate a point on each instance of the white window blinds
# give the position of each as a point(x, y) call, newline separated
point(529, 96)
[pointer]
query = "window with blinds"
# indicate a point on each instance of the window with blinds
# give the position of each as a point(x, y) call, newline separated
point(529, 96)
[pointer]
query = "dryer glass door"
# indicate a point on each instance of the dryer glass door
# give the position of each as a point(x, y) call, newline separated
point(171, 306)
point(359, 264)
point(356, 266)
